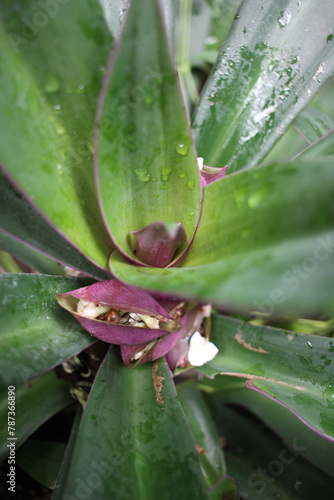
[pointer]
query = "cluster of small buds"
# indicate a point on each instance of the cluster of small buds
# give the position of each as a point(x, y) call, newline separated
point(106, 313)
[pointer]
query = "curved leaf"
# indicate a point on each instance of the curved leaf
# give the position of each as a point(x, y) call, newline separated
point(145, 159)
point(263, 466)
point(28, 256)
point(318, 450)
point(138, 446)
point(36, 334)
point(312, 124)
point(47, 393)
point(292, 368)
point(267, 71)
point(48, 101)
point(207, 442)
point(272, 235)
point(23, 222)
point(322, 148)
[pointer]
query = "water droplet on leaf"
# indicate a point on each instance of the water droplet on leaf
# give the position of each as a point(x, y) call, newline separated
point(52, 84)
point(165, 171)
point(182, 149)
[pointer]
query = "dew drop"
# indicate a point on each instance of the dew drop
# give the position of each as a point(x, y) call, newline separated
point(60, 129)
point(210, 40)
point(309, 344)
point(237, 16)
point(52, 84)
point(284, 19)
point(142, 175)
point(255, 199)
point(329, 38)
point(165, 171)
point(329, 392)
point(182, 175)
point(182, 149)
point(191, 185)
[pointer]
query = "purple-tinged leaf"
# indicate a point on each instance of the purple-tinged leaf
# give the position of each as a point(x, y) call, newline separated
point(156, 243)
point(291, 368)
point(175, 344)
point(122, 297)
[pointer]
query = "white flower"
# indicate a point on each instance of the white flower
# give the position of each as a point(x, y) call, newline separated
point(201, 350)
point(200, 162)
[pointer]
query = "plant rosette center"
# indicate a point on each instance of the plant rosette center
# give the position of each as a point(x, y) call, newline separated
point(144, 327)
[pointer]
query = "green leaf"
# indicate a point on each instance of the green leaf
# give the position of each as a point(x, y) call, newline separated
point(224, 13)
point(41, 460)
point(283, 422)
point(138, 446)
point(290, 144)
point(312, 124)
point(58, 492)
point(36, 333)
point(28, 256)
point(21, 220)
point(265, 467)
point(46, 393)
point(268, 247)
point(48, 101)
point(292, 368)
point(145, 156)
point(266, 73)
point(322, 148)
point(207, 442)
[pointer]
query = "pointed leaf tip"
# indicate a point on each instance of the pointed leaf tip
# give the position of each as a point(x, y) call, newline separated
point(157, 243)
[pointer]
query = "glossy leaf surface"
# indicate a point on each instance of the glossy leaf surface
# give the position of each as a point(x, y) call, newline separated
point(267, 71)
point(145, 159)
point(226, 389)
point(48, 100)
point(273, 233)
point(36, 333)
point(292, 368)
point(139, 445)
point(207, 442)
point(21, 220)
point(46, 393)
point(265, 467)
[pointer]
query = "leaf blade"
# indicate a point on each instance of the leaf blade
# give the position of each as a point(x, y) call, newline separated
point(54, 115)
point(37, 333)
point(263, 79)
point(145, 157)
point(137, 441)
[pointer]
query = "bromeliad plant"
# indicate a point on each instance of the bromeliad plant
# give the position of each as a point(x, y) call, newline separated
point(101, 174)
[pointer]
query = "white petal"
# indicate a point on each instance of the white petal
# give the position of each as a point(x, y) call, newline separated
point(201, 350)
point(200, 162)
